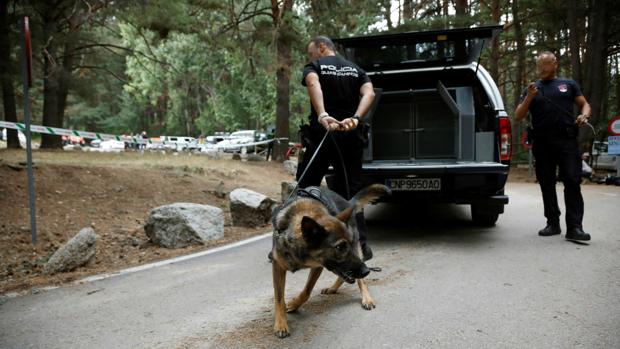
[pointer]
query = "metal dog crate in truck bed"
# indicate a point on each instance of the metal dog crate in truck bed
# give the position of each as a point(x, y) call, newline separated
point(438, 128)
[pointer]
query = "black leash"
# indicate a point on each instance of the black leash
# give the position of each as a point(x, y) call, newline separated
point(568, 113)
point(307, 167)
point(346, 177)
point(344, 169)
point(540, 86)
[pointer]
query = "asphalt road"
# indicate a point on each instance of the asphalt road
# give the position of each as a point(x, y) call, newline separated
point(445, 284)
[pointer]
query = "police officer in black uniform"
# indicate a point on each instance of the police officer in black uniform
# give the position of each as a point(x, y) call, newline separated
point(340, 93)
point(550, 102)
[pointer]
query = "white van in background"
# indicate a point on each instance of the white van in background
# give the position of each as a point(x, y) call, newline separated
point(177, 143)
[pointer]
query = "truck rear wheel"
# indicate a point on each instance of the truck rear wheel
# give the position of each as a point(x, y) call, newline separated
point(483, 216)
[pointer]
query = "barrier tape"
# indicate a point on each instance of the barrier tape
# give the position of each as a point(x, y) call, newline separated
point(105, 136)
point(66, 132)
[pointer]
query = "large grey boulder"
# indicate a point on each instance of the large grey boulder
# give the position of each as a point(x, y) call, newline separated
point(290, 166)
point(182, 224)
point(75, 253)
point(249, 208)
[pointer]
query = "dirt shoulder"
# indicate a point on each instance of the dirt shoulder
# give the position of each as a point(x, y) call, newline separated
point(113, 194)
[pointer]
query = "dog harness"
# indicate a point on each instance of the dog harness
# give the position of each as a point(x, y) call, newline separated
point(312, 192)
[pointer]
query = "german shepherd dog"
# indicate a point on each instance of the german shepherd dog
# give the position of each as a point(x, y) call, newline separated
point(318, 231)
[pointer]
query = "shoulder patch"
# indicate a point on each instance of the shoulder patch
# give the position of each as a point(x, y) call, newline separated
point(563, 88)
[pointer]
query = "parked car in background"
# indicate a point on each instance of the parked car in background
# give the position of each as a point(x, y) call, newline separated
point(155, 144)
point(112, 145)
point(237, 138)
point(217, 137)
point(75, 140)
point(206, 148)
point(178, 143)
point(194, 145)
point(601, 159)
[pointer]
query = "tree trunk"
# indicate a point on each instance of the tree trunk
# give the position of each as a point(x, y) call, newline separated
point(407, 10)
point(520, 71)
point(57, 79)
point(188, 125)
point(597, 53)
point(51, 77)
point(617, 78)
point(573, 41)
point(520, 41)
point(282, 21)
point(494, 63)
point(8, 94)
point(388, 13)
point(64, 76)
point(461, 7)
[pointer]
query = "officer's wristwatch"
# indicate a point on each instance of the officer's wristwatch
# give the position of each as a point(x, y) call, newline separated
point(357, 117)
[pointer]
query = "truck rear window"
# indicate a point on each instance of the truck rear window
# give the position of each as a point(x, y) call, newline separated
point(399, 55)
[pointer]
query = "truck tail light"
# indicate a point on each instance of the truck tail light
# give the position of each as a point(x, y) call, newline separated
point(505, 139)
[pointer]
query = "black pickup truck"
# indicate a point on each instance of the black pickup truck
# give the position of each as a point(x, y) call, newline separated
point(438, 128)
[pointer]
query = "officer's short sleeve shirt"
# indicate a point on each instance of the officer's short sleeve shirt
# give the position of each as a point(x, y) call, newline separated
point(340, 81)
point(552, 107)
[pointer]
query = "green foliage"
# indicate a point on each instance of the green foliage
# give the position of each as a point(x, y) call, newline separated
point(193, 67)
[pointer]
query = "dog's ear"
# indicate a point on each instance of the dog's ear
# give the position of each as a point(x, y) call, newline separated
point(345, 214)
point(312, 231)
point(369, 194)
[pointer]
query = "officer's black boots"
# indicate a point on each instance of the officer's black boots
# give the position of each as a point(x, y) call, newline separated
point(550, 230)
point(577, 234)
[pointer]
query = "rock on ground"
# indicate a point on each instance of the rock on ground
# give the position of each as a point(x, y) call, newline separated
point(290, 166)
point(182, 224)
point(255, 157)
point(249, 208)
point(75, 253)
point(287, 188)
point(220, 190)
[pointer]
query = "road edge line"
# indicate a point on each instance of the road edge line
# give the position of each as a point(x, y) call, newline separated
point(171, 260)
point(138, 268)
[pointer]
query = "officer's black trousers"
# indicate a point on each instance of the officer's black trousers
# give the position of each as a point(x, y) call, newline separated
point(350, 146)
point(563, 154)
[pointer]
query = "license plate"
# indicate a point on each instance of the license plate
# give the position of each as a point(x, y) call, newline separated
point(414, 184)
